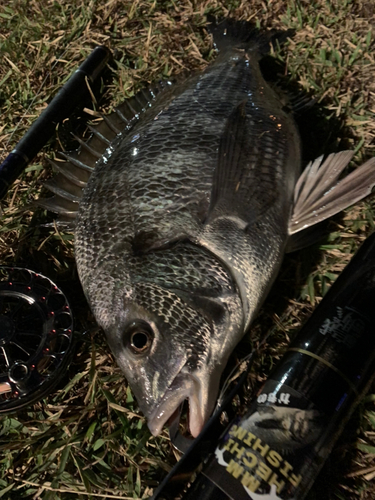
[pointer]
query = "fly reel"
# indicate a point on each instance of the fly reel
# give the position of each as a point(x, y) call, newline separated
point(36, 327)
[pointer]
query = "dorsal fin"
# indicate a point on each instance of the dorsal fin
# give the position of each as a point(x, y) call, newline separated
point(61, 186)
point(59, 205)
point(74, 172)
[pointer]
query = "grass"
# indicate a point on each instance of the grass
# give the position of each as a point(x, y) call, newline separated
point(88, 439)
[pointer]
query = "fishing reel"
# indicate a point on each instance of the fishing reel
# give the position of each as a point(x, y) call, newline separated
point(36, 321)
point(36, 328)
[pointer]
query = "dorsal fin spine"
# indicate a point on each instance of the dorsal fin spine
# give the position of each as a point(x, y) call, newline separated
point(125, 120)
point(76, 162)
point(61, 168)
point(85, 145)
point(99, 135)
point(110, 124)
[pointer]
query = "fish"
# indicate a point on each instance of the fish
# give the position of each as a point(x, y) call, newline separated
point(286, 429)
point(184, 202)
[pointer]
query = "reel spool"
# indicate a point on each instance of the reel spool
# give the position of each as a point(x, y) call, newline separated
point(36, 327)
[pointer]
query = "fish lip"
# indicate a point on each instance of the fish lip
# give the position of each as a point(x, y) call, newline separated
point(184, 386)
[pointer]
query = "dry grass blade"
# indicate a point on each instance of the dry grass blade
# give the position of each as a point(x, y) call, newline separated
point(88, 440)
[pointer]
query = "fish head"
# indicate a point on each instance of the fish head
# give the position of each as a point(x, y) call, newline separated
point(171, 345)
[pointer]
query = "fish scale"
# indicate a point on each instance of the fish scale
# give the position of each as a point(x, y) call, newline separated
point(193, 330)
point(186, 267)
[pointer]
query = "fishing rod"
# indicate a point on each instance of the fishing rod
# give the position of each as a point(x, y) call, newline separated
point(70, 96)
point(277, 449)
point(36, 321)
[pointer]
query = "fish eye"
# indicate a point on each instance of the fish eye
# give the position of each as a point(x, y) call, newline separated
point(139, 337)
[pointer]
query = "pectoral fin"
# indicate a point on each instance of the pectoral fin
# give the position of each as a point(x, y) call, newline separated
point(240, 189)
point(319, 195)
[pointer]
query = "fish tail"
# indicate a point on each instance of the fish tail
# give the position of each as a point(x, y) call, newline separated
point(230, 33)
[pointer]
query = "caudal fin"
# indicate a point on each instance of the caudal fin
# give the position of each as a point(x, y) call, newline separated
point(244, 35)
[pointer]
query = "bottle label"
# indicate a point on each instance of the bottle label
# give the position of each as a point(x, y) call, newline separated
point(273, 451)
point(277, 449)
point(346, 326)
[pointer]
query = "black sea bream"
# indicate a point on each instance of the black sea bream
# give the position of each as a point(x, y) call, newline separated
point(184, 222)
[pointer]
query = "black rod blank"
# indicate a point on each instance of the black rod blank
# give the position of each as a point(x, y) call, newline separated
point(70, 96)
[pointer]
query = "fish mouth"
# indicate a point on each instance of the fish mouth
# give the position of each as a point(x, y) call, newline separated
point(184, 386)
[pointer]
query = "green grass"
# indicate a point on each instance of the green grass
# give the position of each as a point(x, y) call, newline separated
point(88, 439)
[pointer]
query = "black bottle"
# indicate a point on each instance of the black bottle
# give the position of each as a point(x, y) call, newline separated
point(276, 451)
